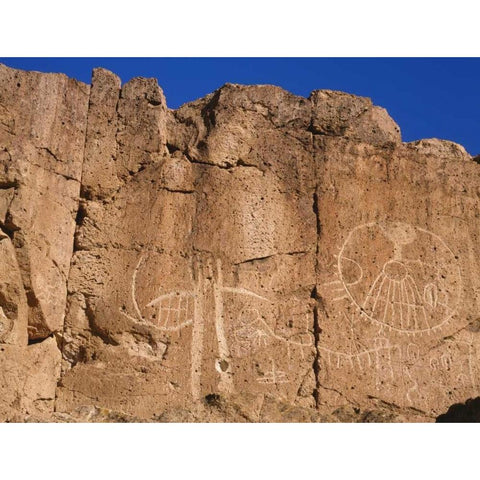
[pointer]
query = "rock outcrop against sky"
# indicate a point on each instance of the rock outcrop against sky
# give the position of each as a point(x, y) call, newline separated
point(251, 256)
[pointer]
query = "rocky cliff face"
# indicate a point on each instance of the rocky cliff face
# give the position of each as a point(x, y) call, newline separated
point(251, 256)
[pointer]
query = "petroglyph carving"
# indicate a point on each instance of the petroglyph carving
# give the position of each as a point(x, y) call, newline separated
point(179, 309)
point(401, 365)
point(446, 361)
point(273, 376)
point(249, 334)
point(412, 386)
point(362, 360)
point(413, 353)
point(383, 362)
point(400, 277)
point(397, 281)
point(174, 310)
point(430, 295)
point(253, 332)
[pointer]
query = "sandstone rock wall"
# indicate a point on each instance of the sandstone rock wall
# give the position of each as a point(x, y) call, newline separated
point(253, 255)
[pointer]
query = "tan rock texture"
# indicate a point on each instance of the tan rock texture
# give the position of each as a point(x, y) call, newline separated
point(252, 256)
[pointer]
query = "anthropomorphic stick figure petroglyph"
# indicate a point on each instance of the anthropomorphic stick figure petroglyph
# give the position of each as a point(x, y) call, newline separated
point(253, 333)
point(249, 333)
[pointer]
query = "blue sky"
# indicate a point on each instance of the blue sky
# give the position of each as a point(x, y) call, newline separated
point(427, 97)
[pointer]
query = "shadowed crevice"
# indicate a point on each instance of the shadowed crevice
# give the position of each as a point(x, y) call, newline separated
point(468, 412)
point(316, 321)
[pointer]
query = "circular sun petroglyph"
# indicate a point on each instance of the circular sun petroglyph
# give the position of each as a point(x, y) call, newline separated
point(399, 276)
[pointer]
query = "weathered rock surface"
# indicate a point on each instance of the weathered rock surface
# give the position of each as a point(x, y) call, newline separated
point(251, 256)
point(28, 380)
point(42, 137)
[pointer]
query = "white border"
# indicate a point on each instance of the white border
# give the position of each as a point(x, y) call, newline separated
point(247, 28)
point(183, 451)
